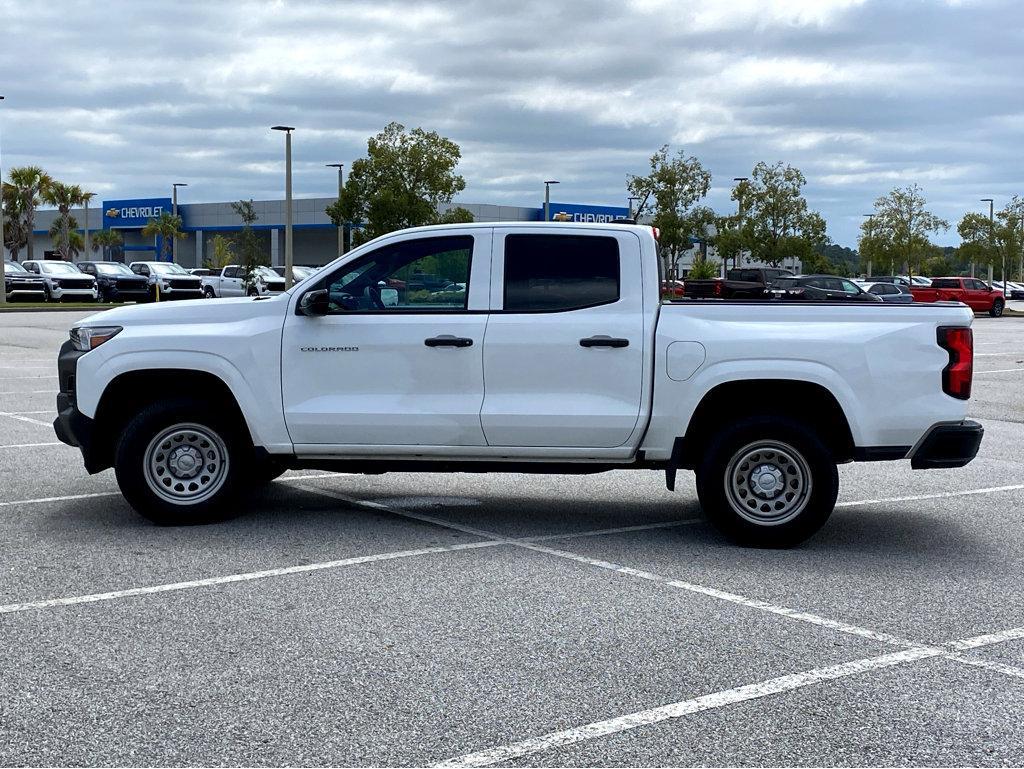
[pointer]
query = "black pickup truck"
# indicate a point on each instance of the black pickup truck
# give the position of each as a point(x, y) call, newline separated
point(740, 283)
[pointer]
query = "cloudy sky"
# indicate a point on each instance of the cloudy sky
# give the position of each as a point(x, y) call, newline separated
point(127, 97)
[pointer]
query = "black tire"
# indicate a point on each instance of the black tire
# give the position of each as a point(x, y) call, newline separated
point(47, 296)
point(220, 483)
point(208, 293)
point(784, 511)
point(997, 308)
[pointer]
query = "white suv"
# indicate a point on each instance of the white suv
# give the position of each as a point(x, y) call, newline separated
point(63, 280)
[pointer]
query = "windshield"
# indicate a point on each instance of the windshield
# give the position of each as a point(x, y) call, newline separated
point(13, 267)
point(59, 268)
point(268, 274)
point(112, 268)
point(301, 273)
point(167, 268)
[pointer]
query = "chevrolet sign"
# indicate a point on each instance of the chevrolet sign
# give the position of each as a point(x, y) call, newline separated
point(133, 213)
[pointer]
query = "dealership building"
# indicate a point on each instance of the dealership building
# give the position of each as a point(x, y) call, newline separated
point(315, 238)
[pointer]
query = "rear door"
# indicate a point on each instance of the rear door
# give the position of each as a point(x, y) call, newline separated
point(563, 357)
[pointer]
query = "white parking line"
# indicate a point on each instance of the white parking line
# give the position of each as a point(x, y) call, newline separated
point(21, 418)
point(245, 577)
point(38, 376)
point(998, 371)
point(939, 495)
point(32, 445)
point(28, 392)
point(685, 708)
point(69, 498)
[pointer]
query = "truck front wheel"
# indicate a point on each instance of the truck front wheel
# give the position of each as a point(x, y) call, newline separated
point(182, 463)
point(767, 481)
point(997, 308)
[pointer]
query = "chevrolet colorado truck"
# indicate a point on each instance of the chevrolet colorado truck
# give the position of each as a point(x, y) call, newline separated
point(547, 349)
point(975, 293)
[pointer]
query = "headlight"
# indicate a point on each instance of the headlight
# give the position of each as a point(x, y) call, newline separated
point(87, 338)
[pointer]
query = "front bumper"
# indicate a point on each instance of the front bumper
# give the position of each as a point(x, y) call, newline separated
point(947, 444)
point(72, 426)
point(88, 294)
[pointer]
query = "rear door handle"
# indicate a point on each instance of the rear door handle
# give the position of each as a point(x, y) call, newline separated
point(447, 340)
point(603, 341)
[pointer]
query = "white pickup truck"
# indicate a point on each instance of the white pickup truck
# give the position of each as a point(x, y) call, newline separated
point(520, 347)
point(230, 281)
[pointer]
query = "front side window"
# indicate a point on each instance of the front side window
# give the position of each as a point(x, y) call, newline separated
point(552, 273)
point(850, 288)
point(422, 275)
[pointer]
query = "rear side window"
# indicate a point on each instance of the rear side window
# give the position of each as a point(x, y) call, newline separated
point(945, 283)
point(550, 273)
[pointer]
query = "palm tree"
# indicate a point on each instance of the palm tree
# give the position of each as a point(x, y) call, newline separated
point(14, 228)
point(107, 240)
point(30, 181)
point(64, 197)
point(166, 227)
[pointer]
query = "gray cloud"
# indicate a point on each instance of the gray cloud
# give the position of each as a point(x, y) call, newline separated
point(126, 97)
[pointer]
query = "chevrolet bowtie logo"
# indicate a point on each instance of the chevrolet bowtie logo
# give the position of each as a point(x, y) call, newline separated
point(113, 213)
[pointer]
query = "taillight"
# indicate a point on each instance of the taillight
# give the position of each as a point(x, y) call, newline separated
point(718, 288)
point(656, 232)
point(958, 373)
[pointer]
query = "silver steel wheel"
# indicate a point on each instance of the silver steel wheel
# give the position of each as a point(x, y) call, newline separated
point(768, 483)
point(186, 464)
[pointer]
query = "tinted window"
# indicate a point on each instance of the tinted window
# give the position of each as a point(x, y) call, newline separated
point(547, 273)
point(980, 285)
point(423, 275)
point(230, 272)
point(786, 283)
point(849, 287)
point(945, 283)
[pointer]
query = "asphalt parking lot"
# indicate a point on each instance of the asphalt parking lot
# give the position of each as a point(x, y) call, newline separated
point(508, 620)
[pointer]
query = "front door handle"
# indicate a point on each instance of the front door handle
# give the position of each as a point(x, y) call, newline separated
point(447, 340)
point(603, 341)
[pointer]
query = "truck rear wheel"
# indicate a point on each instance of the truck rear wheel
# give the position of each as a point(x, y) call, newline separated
point(182, 463)
point(767, 481)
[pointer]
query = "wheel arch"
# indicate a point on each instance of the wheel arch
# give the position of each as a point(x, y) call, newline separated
point(797, 399)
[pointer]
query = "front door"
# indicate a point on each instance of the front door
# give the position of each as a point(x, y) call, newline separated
point(398, 361)
point(563, 360)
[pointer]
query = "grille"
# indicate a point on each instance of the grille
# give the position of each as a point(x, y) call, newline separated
point(183, 283)
point(127, 284)
point(73, 283)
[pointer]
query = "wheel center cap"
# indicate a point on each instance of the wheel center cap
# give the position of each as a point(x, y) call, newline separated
point(185, 462)
point(766, 480)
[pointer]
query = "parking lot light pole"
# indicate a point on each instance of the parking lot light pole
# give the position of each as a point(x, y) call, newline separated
point(991, 238)
point(871, 232)
point(738, 259)
point(547, 199)
point(174, 212)
point(629, 204)
point(3, 248)
point(341, 186)
point(288, 257)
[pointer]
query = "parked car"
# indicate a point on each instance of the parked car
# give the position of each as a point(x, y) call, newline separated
point(19, 283)
point(902, 280)
point(586, 371)
point(672, 289)
point(741, 283)
point(821, 288)
point(115, 282)
point(894, 293)
point(201, 272)
point(230, 281)
point(63, 280)
point(299, 271)
point(1013, 290)
point(172, 280)
point(975, 293)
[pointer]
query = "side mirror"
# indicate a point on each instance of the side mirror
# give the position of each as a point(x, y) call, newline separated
point(315, 303)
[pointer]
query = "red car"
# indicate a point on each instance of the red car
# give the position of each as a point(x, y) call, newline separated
point(976, 294)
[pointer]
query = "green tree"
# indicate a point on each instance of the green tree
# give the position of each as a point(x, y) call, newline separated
point(167, 227)
point(30, 182)
point(777, 222)
point(403, 180)
point(15, 234)
point(67, 242)
point(669, 195)
point(251, 251)
point(703, 269)
point(899, 233)
point(222, 253)
point(106, 240)
point(996, 243)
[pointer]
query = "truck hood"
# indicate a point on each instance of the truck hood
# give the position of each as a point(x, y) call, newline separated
point(190, 311)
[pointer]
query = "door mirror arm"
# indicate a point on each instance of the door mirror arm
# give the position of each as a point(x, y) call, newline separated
point(314, 303)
